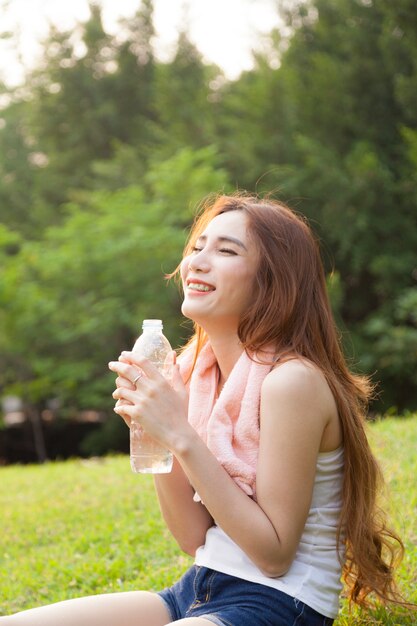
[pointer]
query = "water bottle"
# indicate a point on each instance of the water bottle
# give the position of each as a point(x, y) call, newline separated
point(146, 455)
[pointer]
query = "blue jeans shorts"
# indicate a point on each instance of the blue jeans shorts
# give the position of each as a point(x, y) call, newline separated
point(229, 601)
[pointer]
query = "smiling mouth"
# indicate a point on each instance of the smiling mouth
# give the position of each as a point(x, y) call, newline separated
point(200, 287)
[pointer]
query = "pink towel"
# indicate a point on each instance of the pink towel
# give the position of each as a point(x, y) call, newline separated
point(229, 425)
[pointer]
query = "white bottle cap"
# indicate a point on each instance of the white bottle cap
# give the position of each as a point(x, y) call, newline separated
point(152, 324)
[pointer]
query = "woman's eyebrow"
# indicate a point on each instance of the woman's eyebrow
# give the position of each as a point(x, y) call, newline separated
point(239, 243)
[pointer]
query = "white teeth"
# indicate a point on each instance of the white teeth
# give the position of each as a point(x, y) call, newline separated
point(199, 287)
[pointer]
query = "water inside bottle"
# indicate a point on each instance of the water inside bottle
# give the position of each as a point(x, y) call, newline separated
point(146, 455)
point(151, 463)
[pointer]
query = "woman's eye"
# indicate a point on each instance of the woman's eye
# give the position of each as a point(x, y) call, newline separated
point(196, 249)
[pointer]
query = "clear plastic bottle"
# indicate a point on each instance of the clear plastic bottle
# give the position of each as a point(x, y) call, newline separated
point(146, 455)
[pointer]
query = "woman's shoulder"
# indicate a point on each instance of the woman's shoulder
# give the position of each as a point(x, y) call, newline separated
point(296, 371)
point(299, 380)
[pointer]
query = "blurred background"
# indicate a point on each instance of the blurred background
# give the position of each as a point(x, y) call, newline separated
point(116, 121)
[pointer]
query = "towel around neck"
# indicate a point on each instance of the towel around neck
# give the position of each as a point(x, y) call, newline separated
point(229, 423)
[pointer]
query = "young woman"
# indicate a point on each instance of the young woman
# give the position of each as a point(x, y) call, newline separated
point(274, 485)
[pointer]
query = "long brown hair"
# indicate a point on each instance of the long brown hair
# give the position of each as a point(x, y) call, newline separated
point(291, 310)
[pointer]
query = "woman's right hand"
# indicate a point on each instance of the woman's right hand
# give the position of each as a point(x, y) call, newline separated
point(127, 384)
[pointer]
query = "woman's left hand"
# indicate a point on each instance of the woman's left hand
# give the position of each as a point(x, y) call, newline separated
point(158, 405)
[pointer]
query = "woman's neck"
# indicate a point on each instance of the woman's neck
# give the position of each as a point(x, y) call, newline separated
point(227, 349)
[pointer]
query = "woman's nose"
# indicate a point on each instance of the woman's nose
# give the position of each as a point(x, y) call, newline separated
point(199, 262)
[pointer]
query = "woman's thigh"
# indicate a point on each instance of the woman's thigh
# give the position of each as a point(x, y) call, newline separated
point(130, 608)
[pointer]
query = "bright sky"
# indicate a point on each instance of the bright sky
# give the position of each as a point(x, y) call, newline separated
point(224, 30)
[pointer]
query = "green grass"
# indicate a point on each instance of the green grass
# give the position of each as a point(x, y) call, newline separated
point(83, 527)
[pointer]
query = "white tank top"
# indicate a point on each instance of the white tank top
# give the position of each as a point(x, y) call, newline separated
point(315, 574)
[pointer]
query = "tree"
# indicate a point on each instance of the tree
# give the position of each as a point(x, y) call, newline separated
point(185, 104)
point(20, 164)
point(73, 110)
point(347, 75)
point(254, 121)
point(327, 120)
point(73, 300)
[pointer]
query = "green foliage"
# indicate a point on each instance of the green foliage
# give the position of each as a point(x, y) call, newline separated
point(390, 349)
point(83, 104)
point(184, 106)
point(253, 128)
point(105, 150)
point(346, 77)
point(74, 299)
point(19, 167)
point(87, 527)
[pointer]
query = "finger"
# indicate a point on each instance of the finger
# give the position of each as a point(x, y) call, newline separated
point(124, 370)
point(169, 365)
point(171, 358)
point(125, 411)
point(120, 402)
point(145, 365)
point(177, 381)
point(121, 381)
point(118, 409)
point(121, 393)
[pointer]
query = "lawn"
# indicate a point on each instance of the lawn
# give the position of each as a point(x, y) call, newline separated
point(90, 526)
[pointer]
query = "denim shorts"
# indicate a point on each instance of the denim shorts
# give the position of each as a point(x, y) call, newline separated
point(229, 601)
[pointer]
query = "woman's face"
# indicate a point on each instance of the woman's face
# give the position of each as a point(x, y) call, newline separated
point(218, 275)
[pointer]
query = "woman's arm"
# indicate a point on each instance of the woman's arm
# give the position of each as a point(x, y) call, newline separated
point(296, 406)
point(188, 521)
